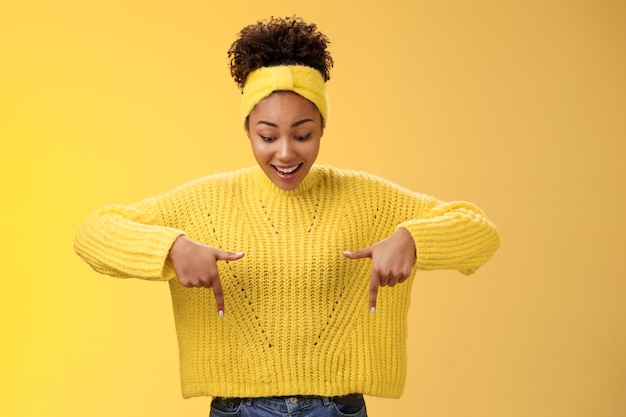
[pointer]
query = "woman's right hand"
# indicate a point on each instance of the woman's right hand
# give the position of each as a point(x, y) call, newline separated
point(195, 265)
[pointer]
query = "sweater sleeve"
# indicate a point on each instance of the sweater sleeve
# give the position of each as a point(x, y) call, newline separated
point(454, 235)
point(127, 241)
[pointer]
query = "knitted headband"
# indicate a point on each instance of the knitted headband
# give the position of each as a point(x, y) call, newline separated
point(305, 81)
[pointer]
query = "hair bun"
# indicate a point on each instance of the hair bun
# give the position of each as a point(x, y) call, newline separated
point(279, 41)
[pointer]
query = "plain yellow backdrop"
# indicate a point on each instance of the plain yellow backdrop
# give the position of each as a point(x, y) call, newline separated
point(518, 106)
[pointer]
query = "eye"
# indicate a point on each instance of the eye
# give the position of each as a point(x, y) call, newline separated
point(267, 139)
point(302, 138)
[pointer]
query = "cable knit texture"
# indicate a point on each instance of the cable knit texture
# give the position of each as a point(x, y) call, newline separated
point(297, 319)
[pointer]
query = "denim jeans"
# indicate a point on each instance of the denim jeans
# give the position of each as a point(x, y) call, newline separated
point(284, 407)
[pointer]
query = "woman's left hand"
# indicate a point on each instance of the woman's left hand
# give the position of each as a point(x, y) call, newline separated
point(392, 261)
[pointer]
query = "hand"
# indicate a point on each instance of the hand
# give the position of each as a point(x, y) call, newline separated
point(392, 261)
point(195, 265)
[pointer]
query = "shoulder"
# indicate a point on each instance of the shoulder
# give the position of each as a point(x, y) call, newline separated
point(357, 179)
point(338, 174)
point(213, 184)
point(364, 189)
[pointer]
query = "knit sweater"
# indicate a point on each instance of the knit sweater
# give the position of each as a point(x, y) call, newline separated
point(297, 316)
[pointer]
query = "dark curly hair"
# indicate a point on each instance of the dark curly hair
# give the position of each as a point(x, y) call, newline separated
point(279, 41)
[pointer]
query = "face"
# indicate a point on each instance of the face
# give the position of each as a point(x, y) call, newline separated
point(285, 131)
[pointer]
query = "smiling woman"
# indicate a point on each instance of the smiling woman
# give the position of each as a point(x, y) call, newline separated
point(273, 243)
point(285, 130)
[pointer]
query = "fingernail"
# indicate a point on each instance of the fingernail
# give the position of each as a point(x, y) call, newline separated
point(239, 254)
point(372, 310)
point(220, 313)
point(346, 252)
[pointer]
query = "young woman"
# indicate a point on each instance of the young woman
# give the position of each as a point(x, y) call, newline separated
point(277, 271)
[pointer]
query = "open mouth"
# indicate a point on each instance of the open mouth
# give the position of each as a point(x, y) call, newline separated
point(287, 172)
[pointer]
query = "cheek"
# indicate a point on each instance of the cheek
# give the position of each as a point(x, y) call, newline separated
point(257, 150)
point(313, 149)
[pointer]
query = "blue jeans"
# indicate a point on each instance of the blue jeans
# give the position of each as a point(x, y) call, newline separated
point(295, 406)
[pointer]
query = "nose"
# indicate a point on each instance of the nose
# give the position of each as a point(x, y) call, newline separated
point(285, 151)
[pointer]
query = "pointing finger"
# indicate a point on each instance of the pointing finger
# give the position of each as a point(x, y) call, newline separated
point(216, 284)
point(373, 291)
point(219, 295)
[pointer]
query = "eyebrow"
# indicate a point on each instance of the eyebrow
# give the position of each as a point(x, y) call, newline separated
point(296, 124)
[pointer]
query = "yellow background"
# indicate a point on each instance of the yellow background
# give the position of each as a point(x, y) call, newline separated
point(517, 106)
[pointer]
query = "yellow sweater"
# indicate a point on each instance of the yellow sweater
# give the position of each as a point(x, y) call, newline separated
point(297, 317)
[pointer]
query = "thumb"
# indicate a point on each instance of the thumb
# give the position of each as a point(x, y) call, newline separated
point(228, 256)
point(359, 254)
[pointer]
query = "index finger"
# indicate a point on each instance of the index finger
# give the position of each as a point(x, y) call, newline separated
point(219, 295)
point(373, 292)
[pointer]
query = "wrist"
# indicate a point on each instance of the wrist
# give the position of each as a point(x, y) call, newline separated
point(177, 247)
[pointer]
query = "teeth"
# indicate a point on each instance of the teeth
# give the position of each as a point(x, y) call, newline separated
point(287, 170)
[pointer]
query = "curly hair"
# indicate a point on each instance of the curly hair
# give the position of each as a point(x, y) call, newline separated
point(279, 41)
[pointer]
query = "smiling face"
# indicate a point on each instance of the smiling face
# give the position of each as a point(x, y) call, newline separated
point(285, 130)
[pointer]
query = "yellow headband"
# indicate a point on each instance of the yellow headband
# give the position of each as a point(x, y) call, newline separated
point(305, 81)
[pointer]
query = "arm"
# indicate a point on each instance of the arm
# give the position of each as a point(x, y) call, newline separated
point(127, 241)
point(438, 235)
point(455, 235)
point(132, 241)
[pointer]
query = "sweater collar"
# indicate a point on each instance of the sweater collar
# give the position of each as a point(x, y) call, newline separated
point(310, 181)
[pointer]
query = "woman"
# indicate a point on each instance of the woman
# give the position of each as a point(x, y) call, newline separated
point(301, 323)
